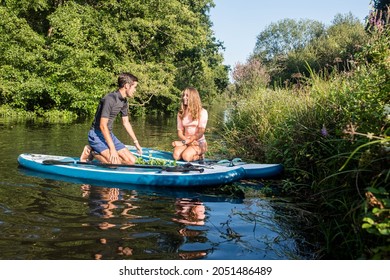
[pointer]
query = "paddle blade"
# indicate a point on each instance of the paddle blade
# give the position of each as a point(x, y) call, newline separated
point(183, 168)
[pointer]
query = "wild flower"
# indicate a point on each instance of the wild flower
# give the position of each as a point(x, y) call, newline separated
point(386, 112)
point(324, 131)
point(351, 130)
point(370, 135)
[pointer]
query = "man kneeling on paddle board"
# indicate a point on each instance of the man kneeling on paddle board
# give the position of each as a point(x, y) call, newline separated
point(103, 145)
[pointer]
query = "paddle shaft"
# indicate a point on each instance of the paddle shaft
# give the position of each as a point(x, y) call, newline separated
point(165, 168)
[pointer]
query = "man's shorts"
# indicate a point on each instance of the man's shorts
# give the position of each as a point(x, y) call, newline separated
point(98, 143)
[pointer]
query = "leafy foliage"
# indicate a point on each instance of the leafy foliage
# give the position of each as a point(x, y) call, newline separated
point(249, 76)
point(278, 39)
point(64, 55)
point(290, 49)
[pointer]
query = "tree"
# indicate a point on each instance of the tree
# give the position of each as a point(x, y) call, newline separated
point(278, 39)
point(337, 49)
point(22, 55)
point(78, 47)
point(250, 76)
point(381, 4)
point(290, 49)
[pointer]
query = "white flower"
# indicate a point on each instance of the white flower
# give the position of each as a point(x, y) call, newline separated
point(386, 109)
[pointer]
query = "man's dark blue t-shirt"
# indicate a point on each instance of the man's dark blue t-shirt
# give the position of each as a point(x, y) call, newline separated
point(109, 107)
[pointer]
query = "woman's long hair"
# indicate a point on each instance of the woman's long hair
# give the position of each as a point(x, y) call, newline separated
point(194, 106)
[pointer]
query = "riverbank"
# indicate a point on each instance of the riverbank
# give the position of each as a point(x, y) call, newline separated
point(332, 136)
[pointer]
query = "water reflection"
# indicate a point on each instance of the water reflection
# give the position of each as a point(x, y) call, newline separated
point(103, 203)
point(112, 210)
point(191, 212)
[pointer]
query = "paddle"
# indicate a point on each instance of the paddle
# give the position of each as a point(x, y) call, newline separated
point(179, 168)
point(230, 162)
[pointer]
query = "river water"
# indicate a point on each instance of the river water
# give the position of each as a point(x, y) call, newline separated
point(49, 218)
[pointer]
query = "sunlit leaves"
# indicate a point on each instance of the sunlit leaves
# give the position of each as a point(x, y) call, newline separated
point(287, 35)
point(77, 48)
point(289, 47)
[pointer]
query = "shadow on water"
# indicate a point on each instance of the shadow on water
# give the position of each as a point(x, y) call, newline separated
point(46, 216)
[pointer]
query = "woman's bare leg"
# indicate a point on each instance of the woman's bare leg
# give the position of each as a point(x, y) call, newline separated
point(178, 151)
point(191, 153)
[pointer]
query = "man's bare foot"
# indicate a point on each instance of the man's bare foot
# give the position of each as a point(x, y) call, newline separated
point(87, 154)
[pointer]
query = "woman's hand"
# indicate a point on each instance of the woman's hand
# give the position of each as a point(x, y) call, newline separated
point(177, 144)
point(139, 148)
point(192, 140)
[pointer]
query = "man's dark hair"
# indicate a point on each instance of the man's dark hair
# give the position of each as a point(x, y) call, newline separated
point(126, 78)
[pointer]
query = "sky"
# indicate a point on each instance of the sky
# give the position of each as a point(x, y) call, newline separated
point(237, 23)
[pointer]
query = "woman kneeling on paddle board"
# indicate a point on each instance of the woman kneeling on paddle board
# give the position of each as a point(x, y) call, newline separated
point(191, 125)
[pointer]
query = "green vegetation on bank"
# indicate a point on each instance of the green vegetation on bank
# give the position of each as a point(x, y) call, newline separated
point(58, 58)
point(329, 126)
